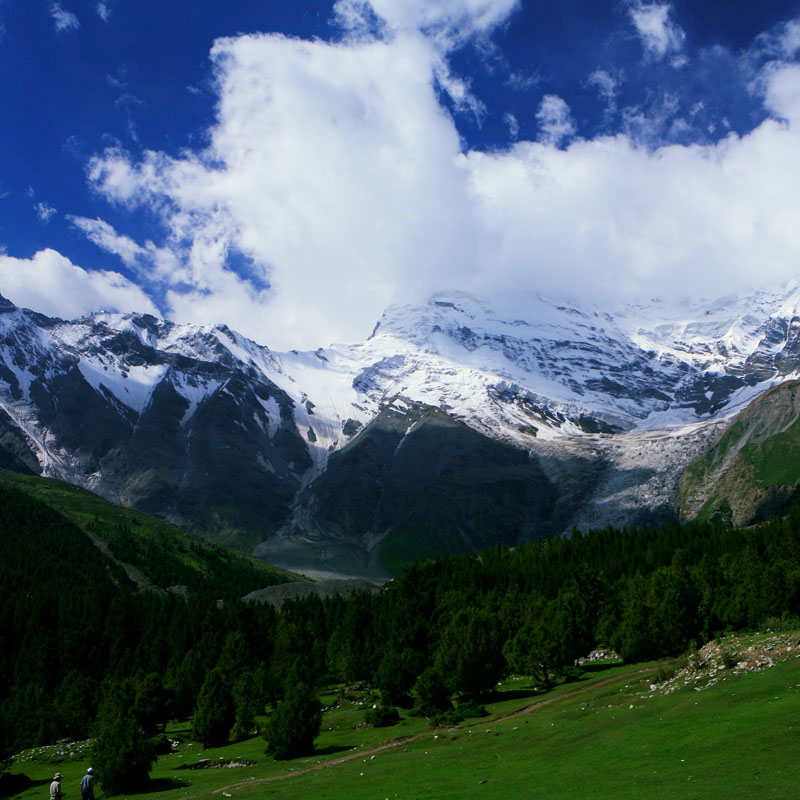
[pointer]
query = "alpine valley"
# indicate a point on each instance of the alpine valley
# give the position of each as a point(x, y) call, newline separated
point(453, 427)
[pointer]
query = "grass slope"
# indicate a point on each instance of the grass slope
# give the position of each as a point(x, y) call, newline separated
point(152, 552)
point(607, 736)
point(753, 469)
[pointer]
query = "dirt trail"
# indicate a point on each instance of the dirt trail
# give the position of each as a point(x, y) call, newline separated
point(577, 691)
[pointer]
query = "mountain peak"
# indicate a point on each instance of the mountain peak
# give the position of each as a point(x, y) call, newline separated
point(6, 305)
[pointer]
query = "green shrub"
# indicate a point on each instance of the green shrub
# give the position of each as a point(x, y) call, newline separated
point(729, 660)
point(572, 673)
point(433, 694)
point(446, 718)
point(382, 716)
point(669, 667)
point(468, 709)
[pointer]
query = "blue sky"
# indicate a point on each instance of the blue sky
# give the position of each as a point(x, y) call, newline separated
point(292, 168)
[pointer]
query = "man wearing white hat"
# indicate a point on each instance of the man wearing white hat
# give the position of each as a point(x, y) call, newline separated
point(55, 787)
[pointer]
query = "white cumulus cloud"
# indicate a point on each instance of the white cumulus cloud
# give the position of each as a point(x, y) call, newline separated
point(333, 170)
point(447, 21)
point(50, 283)
point(335, 183)
point(555, 121)
point(659, 34)
point(783, 92)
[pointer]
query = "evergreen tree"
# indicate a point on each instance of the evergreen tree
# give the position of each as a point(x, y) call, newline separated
point(532, 651)
point(245, 705)
point(395, 675)
point(184, 682)
point(470, 652)
point(213, 715)
point(295, 723)
point(633, 640)
point(433, 693)
point(75, 705)
point(122, 754)
point(5, 739)
point(151, 705)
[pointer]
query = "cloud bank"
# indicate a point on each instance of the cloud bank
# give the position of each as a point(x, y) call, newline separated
point(335, 182)
point(51, 284)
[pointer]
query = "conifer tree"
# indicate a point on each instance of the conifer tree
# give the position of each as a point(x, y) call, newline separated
point(295, 723)
point(75, 705)
point(122, 754)
point(470, 652)
point(213, 715)
point(245, 704)
point(151, 705)
point(433, 692)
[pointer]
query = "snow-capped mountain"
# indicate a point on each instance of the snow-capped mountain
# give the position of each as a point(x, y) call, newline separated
point(585, 416)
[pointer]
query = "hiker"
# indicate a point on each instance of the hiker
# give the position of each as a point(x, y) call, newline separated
point(87, 785)
point(55, 787)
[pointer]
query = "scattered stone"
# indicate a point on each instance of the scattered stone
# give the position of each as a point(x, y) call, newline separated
point(605, 654)
point(222, 763)
point(715, 661)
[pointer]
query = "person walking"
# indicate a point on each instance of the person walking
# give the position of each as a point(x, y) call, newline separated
point(55, 787)
point(87, 785)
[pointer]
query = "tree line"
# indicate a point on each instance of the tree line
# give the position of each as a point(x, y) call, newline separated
point(83, 654)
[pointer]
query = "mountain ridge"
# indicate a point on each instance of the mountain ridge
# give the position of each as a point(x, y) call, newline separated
point(202, 426)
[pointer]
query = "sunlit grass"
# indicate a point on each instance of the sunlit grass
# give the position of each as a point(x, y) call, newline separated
point(608, 735)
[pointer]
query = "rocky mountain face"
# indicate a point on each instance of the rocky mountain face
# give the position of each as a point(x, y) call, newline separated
point(168, 421)
point(753, 469)
point(416, 482)
point(451, 427)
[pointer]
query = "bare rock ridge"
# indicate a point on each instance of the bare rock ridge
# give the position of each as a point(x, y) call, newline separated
point(453, 426)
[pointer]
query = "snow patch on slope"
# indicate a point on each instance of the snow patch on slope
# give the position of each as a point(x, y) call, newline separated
point(194, 390)
point(132, 387)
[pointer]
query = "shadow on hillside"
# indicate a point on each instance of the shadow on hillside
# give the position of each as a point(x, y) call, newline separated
point(15, 783)
point(539, 690)
point(593, 669)
point(512, 694)
point(165, 785)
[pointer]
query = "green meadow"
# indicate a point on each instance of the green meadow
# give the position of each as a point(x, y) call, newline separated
point(607, 735)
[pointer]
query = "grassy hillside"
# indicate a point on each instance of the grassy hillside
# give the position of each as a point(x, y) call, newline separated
point(152, 553)
point(753, 469)
point(709, 732)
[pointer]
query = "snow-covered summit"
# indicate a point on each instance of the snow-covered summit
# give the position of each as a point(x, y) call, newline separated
point(564, 369)
point(557, 370)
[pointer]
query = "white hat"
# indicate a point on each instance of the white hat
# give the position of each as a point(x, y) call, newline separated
point(89, 770)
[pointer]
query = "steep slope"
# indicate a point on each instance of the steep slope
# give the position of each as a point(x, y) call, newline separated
point(164, 419)
point(753, 470)
point(131, 546)
point(415, 482)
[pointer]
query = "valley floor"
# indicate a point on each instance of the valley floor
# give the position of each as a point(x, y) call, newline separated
point(722, 723)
